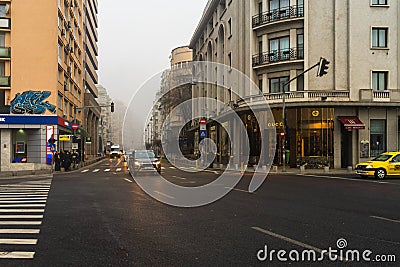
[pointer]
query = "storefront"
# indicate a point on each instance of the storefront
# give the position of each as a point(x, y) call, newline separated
point(24, 141)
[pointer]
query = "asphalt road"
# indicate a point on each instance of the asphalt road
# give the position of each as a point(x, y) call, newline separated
point(99, 216)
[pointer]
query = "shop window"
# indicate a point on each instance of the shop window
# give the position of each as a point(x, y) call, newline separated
point(20, 139)
point(314, 136)
point(378, 137)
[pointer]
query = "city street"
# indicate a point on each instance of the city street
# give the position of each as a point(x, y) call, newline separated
point(98, 216)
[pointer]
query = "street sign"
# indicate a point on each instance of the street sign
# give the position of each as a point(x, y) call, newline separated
point(75, 126)
point(64, 137)
point(74, 146)
point(88, 140)
point(203, 121)
point(203, 133)
point(203, 127)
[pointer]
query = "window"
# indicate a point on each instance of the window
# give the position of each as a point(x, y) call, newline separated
point(65, 107)
point(378, 137)
point(59, 102)
point(260, 83)
point(379, 80)
point(2, 68)
point(300, 83)
point(279, 49)
point(379, 2)
point(2, 98)
point(71, 108)
point(60, 49)
point(379, 37)
point(230, 59)
point(2, 39)
point(300, 46)
point(3, 10)
point(276, 84)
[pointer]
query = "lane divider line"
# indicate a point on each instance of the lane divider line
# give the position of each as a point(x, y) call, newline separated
point(129, 181)
point(385, 219)
point(165, 195)
point(295, 242)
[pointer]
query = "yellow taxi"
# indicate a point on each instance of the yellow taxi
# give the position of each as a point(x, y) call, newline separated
point(386, 164)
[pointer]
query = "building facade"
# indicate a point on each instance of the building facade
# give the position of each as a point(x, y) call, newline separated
point(338, 119)
point(105, 124)
point(42, 79)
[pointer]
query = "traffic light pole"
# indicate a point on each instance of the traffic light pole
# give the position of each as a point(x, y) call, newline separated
point(284, 113)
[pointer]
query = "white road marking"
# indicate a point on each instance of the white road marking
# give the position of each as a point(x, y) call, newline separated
point(84, 171)
point(30, 193)
point(240, 190)
point(107, 170)
point(188, 182)
point(295, 242)
point(18, 241)
point(172, 168)
point(19, 231)
point(25, 186)
point(23, 210)
point(22, 205)
point(165, 195)
point(20, 223)
point(23, 198)
point(162, 168)
point(16, 255)
point(96, 170)
point(21, 216)
point(347, 179)
point(385, 219)
point(22, 202)
point(129, 181)
point(118, 169)
point(177, 177)
point(13, 190)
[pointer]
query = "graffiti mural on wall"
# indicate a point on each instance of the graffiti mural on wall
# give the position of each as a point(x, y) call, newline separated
point(31, 102)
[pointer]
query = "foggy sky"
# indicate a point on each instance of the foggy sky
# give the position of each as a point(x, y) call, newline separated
point(136, 38)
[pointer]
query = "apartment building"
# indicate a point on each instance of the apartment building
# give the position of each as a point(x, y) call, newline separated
point(336, 120)
point(105, 124)
point(42, 79)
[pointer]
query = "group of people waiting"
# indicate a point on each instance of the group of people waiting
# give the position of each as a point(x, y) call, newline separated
point(64, 159)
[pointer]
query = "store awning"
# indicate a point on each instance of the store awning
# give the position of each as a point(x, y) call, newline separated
point(351, 122)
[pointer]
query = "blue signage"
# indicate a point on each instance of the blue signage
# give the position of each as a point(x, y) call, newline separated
point(203, 133)
point(28, 119)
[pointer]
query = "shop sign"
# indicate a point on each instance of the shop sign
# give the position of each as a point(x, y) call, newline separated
point(274, 124)
point(64, 137)
point(315, 113)
point(31, 102)
point(75, 146)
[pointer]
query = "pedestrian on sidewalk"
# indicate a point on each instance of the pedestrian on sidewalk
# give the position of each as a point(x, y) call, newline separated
point(57, 162)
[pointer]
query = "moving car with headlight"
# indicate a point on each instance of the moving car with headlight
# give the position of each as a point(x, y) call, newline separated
point(386, 164)
point(143, 161)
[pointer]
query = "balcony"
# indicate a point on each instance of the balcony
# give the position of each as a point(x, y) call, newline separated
point(278, 14)
point(5, 81)
point(370, 95)
point(296, 96)
point(5, 23)
point(5, 52)
point(278, 56)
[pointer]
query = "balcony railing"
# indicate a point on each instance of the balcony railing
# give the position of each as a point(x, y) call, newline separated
point(370, 95)
point(297, 96)
point(5, 81)
point(277, 56)
point(5, 52)
point(278, 14)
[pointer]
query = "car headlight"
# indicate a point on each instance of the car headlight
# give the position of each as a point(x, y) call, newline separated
point(369, 167)
point(137, 164)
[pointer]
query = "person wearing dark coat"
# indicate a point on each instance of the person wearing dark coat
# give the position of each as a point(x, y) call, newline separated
point(67, 161)
point(57, 162)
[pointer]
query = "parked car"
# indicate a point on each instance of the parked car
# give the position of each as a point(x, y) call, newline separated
point(144, 160)
point(386, 164)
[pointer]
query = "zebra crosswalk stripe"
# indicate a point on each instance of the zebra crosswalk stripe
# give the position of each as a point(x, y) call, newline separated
point(22, 207)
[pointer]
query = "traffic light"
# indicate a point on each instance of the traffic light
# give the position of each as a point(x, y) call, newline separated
point(112, 106)
point(323, 67)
